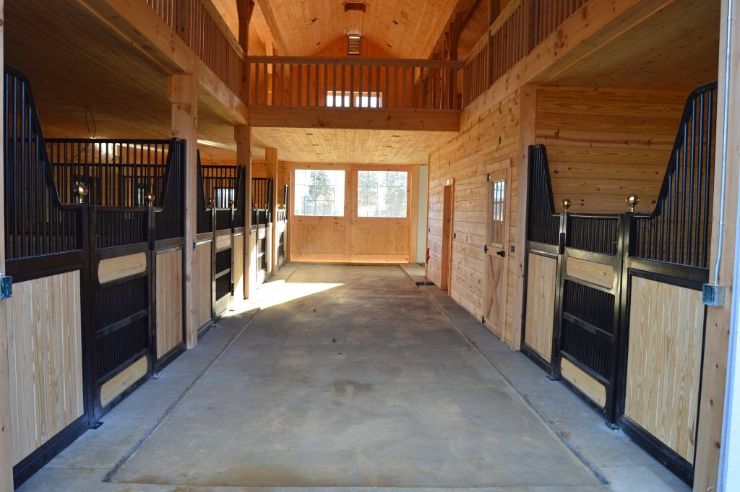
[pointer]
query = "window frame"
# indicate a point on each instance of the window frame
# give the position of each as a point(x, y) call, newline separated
point(295, 185)
point(356, 188)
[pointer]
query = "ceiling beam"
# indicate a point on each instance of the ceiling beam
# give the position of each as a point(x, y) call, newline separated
point(269, 16)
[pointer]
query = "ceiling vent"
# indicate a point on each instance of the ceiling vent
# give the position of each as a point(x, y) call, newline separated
point(355, 7)
point(353, 44)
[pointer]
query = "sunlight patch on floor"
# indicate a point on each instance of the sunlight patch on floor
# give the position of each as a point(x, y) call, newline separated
point(278, 292)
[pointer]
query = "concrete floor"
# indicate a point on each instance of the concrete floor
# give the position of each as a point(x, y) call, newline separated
point(338, 377)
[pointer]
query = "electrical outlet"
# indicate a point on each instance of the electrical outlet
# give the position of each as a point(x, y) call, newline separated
point(713, 295)
point(6, 287)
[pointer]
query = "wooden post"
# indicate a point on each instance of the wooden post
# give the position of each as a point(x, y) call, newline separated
point(184, 98)
point(271, 157)
point(711, 405)
point(520, 169)
point(242, 135)
point(6, 455)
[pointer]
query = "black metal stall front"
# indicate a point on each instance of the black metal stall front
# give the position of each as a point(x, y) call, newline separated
point(74, 205)
point(597, 257)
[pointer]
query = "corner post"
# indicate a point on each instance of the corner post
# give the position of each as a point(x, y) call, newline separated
point(183, 95)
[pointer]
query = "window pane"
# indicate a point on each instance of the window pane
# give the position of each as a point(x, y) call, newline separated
point(382, 193)
point(498, 211)
point(319, 192)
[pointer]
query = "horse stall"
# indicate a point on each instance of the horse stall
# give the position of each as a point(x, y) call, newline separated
point(613, 302)
point(220, 240)
point(94, 243)
point(261, 232)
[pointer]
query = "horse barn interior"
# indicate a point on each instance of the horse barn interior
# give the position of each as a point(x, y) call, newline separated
point(394, 244)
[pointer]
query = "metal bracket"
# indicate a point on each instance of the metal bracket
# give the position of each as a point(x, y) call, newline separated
point(6, 287)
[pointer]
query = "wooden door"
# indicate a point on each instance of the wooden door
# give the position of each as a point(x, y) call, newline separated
point(447, 212)
point(494, 308)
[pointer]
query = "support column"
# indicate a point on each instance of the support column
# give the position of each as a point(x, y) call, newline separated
point(709, 443)
point(6, 454)
point(242, 135)
point(271, 156)
point(183, 95)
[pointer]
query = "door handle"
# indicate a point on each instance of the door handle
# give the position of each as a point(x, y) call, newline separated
point(501, 253)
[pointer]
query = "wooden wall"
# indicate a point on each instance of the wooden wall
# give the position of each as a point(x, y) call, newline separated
point(605, 144)
point(489, 135)
point(352, 239)
point(169, 301)
point(45, 359)
point(664, 362)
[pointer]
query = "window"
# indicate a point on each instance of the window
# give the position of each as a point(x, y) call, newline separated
point(498, 205)
point(319, 192)
point(361, 99)
point(382, 193)
point(223, 197)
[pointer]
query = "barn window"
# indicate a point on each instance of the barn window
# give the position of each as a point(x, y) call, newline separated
point(319, 192)
point(382, 194)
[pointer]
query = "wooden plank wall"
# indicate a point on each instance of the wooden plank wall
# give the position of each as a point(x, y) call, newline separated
point(45, 359)
point(352, 239)
point(202, 283)
point(665, 339)
point(169, 301)
point(605, 144)
point(488, 135)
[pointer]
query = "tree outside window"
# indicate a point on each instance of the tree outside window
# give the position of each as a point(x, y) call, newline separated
point(382, 194)
point(319, 192)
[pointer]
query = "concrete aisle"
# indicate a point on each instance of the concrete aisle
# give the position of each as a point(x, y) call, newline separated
point(346, 377)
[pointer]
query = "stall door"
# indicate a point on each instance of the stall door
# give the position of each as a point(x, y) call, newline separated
point(494, 308)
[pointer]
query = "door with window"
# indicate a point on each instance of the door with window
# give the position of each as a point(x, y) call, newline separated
point(496, 254)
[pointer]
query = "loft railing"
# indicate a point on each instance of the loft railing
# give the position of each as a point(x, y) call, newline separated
point(200, 26)
point(521, 26)
point(359, 83)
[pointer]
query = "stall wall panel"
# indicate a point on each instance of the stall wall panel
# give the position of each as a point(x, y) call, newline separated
point(122, 381)
point(111, 269)
point(202, 276)
point(589, 271)
point(540, 312)
point(585, 383)
point(237, 267)
point(45, 359)
point(605, 144)
point(663, 366)
point(489, 134)
point(169, 301)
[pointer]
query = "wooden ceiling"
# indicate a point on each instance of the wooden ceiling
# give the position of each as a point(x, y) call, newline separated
point(676, 48)
point(404, 28)
point(358, 146)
